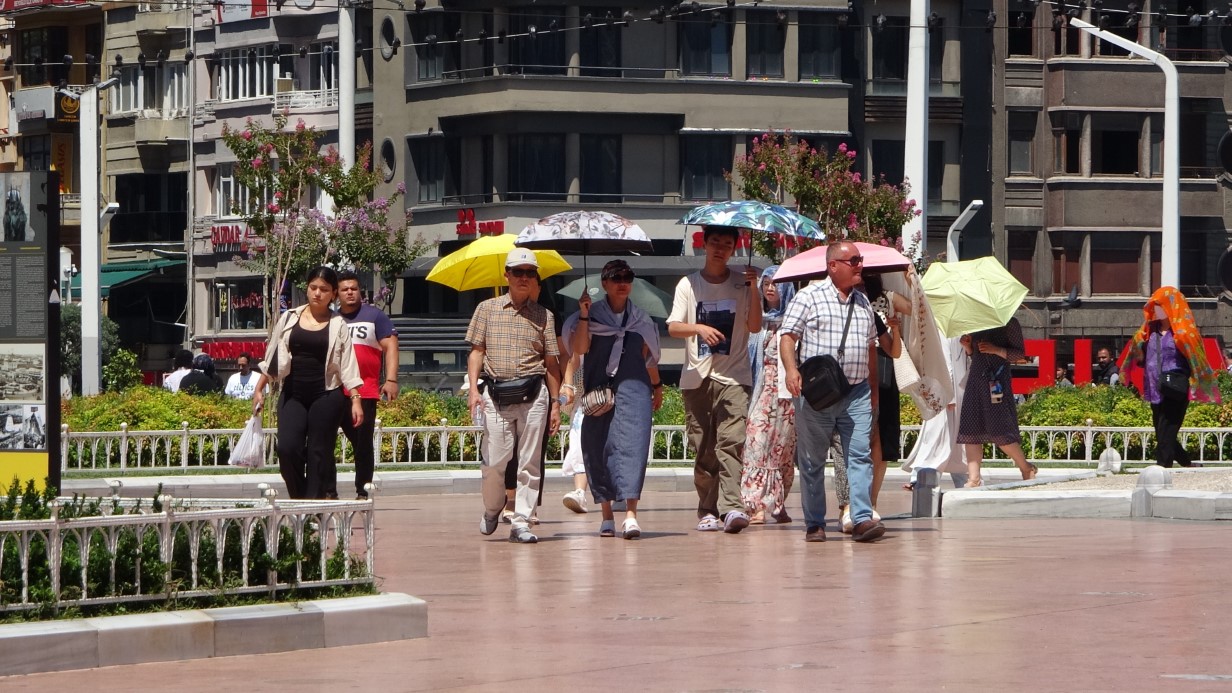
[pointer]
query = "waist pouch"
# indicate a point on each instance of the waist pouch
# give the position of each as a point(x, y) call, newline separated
point(519, 391)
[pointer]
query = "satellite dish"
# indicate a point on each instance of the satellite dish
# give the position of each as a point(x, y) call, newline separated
point(1225, 269)
point(1225, 151)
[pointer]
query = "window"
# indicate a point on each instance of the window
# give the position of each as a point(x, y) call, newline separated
point(1117, 26)
point(36, 153)
point(1114, 144)
point(543, 52)
point(536, 167)
point(704, 158)
point(1066, 260)
point(153, 208)
point(1066, 40)
point(433, 60)
point(600, 169)
point(890, 49)
point(765, 37)
point(600, 45)
point(1020, 36)
point(231, 199)
point(1021, 254)
point(889, 163)
point(1202, 123)
point(322, 67)
point(1115, 260)
point(428, 159)
point(246, 73)
point(43, 51)
point(239, 304)
point(819, 45)
point(152, 91)
point(936, 51)
point(1021, 140)
point(705, 47)
point(1067, 144)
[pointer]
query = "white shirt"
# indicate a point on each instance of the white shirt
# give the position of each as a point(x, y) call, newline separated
point(172, 381)
point(241, 387)
point(724, 306)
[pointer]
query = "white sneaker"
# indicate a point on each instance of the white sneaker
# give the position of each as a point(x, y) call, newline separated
point(575, 500)
point(845, 523)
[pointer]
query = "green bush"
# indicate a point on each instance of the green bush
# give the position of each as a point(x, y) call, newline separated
point(120, 372)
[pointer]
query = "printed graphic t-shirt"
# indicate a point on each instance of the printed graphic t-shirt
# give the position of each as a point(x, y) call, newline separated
point(724, 307)
point(368, 327)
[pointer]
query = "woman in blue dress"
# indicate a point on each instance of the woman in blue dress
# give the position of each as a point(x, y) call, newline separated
point(621, 347)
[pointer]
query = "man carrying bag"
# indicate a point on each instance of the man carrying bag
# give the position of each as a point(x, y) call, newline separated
point(830, 318)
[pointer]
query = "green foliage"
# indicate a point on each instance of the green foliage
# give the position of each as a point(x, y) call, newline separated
point(782, 169)
point(70, 342)
point(120, 372)
point(139, 568)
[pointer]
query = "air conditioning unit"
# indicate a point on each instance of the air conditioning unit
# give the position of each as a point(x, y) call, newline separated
point(282, 84)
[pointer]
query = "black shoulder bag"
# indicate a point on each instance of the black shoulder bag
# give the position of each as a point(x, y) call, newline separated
point(823, 382)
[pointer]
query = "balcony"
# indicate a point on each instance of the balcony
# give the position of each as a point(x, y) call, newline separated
point(148, 228)
point(161, 18)
point(158, 131)
point(310, 100)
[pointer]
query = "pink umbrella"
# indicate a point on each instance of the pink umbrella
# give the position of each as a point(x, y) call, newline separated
point(811, 264)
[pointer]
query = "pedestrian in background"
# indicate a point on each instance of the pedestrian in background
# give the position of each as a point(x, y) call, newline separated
point(714, 311)
point(183, 364)
point(203, 379)
point(513, 347)
point(310, 353)
point(376, 351)
point(832, 317)
point(1106, 371)
point(989, 412)
point(241, 385)
point(1168, 348)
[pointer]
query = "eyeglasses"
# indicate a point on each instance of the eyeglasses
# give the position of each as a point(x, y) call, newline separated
point(530, 273)
point(854, 261)
point(622, 278)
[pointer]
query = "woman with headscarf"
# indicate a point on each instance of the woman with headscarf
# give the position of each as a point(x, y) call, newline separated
point(620, 345)
point(1168, 349)
point(770, 446)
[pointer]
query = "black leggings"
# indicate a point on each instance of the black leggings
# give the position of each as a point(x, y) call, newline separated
point(307, 433)
point(1168, 416)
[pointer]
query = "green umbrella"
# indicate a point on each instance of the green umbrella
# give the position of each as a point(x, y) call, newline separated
point(971, 295)
point(656, 302)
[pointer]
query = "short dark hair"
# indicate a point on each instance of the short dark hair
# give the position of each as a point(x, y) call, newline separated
point(326, 274)
point(730, 231)
point(244, 355)
point(614, 267)
point(349, 275)
point(183, 359)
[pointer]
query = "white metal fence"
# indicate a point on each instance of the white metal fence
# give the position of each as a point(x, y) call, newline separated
point(184, 549)
point(444, 445)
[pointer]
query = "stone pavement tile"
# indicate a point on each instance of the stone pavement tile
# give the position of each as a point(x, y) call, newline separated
point(955, 605)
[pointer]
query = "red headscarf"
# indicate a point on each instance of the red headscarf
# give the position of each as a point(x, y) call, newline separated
point(1202, 381)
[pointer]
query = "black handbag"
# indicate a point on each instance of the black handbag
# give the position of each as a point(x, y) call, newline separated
point(822, 381)
point(518, 391)
point(1174, 385)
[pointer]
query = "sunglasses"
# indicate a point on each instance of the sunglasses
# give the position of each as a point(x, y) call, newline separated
point(622, 278)
point(524, 273)
point(854, 261)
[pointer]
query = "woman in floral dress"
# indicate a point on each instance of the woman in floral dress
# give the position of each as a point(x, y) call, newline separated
point(770, 446)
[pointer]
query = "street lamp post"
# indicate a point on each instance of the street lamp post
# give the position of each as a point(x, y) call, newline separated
point(1170, 225)
point(952, 236)
point(91, 225)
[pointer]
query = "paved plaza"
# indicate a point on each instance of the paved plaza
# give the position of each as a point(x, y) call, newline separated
point(954, 605)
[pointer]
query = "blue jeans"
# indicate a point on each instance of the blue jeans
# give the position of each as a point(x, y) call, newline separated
point(853, 419)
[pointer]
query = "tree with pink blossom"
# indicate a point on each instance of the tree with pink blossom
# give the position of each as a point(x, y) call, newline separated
point(783, 169)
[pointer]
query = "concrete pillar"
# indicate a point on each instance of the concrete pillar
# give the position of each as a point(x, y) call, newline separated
point(500, 167)
point(573, 43)
point(739, 48)
point(573, 165)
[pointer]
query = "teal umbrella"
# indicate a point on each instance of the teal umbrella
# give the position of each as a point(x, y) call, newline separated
point(754, 215)
point(656, 302)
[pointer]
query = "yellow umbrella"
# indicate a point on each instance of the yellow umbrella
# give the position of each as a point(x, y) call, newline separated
point(481, 264)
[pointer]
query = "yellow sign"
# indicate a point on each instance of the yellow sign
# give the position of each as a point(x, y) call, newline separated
point(24, 466)
point(62, 158)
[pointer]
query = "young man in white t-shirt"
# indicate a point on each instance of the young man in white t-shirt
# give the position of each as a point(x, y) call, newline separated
point(241, 385)
point(714, 311)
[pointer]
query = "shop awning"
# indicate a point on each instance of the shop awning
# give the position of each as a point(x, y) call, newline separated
point(116, 274)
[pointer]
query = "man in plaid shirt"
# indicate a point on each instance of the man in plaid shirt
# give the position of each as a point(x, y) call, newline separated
point(511, 338)
point(815, 321)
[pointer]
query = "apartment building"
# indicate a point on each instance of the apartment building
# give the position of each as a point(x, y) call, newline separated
point(1077, 162)
point(254, 60)
point(509, 112)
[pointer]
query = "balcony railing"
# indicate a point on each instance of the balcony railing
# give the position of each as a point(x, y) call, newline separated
point(307, 100)
point(898, 87)
point(1193, 54)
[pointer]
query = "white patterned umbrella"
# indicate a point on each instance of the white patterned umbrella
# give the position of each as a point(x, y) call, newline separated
point(585, 233)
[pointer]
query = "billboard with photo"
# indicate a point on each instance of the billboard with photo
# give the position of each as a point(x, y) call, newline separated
point(29, 329)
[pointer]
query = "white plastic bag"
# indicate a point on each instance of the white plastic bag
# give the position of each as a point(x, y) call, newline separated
point(250, 448)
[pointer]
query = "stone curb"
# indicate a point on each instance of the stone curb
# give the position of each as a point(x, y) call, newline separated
point(86, 643)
